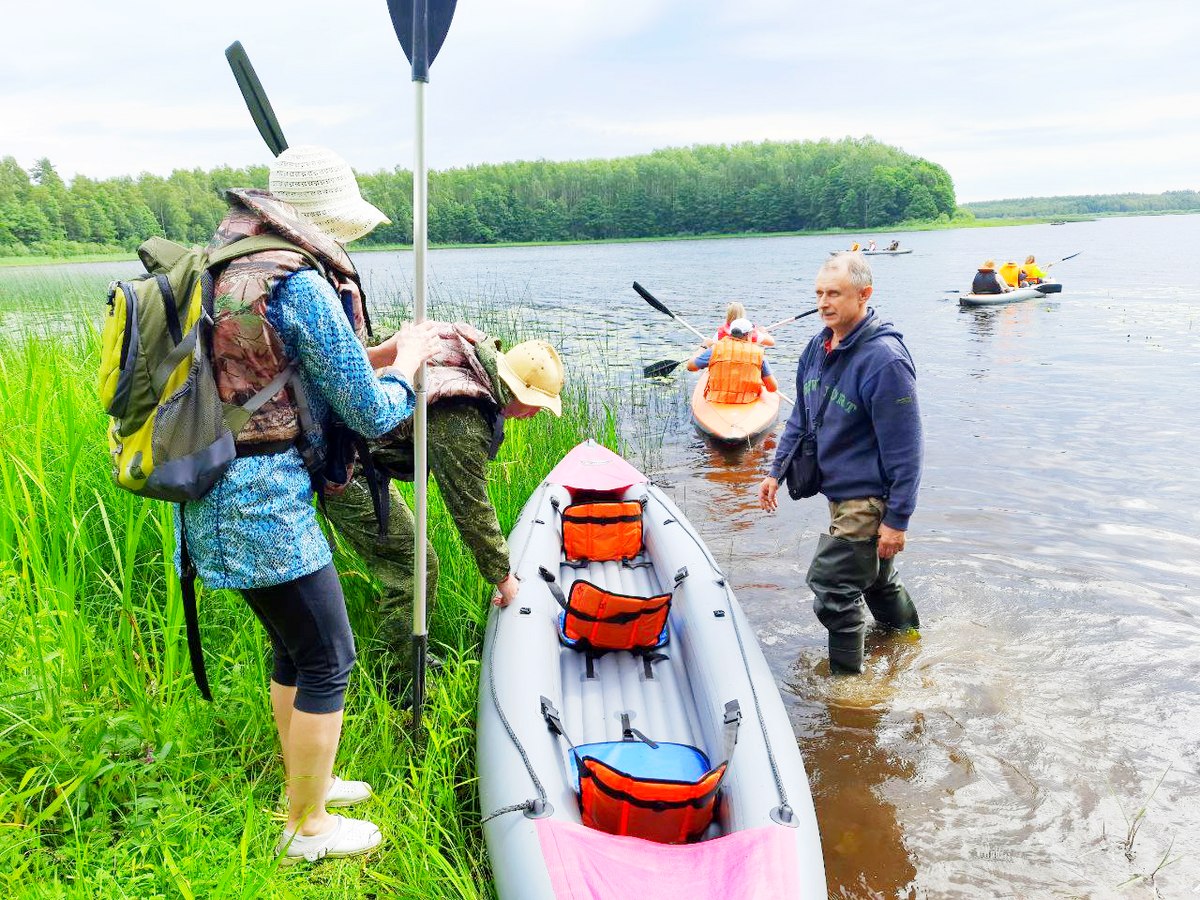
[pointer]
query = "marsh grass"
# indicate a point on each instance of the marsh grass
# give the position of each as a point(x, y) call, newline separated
point(116, 779)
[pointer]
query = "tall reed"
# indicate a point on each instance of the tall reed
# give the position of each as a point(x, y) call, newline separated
point(116, 779)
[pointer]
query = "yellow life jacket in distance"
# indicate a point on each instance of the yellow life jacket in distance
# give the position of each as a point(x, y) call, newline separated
point(1010, 272)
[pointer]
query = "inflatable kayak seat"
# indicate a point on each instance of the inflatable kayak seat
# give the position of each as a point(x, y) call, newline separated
point(594, 619)
point(602, 530)
point(663, 792)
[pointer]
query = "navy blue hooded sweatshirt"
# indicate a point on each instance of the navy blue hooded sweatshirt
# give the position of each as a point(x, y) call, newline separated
point(869, 444)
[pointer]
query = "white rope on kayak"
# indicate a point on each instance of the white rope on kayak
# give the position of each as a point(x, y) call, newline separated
point(539, 806)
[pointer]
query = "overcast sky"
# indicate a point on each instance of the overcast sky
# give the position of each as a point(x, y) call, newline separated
point(1014, 99)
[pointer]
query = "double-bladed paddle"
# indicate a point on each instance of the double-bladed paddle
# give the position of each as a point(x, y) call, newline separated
point(256, 98)
point(667, 366)
point(662, 308)
point(421, 27)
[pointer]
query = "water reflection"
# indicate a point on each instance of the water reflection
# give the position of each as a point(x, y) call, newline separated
point(852, 773)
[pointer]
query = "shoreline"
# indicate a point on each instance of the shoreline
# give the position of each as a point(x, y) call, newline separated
point(130, 256)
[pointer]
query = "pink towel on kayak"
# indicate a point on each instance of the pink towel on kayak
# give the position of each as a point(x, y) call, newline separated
point(585, 864)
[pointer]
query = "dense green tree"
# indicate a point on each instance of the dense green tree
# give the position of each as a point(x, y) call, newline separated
point(711, 189)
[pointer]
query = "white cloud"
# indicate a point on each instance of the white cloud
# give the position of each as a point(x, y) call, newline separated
point(1017, 98)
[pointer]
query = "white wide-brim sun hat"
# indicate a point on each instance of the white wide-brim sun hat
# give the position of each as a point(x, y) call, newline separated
point(322, 187)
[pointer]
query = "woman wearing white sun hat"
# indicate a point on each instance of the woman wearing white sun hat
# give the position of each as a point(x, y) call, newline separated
point(297, 306)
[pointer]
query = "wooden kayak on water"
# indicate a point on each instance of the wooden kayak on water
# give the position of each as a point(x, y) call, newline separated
point(1016, 296)
point(733, 423)
point(705, 679)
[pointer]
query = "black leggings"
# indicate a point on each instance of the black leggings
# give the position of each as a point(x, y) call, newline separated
point(310, 632)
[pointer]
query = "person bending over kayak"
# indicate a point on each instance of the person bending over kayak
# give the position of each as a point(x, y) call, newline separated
point(894, 245)
point(737, 368)
point(987, 281)
point(735, 311)
point(472, 388)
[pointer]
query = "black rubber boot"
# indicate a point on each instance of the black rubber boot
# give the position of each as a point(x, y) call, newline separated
point(888, 600)
point(840, 572)
point(846, 652)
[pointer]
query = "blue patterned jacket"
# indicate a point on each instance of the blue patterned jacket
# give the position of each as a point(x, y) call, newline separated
point(257, 527)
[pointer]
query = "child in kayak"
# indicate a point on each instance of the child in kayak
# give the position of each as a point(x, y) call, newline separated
point(738, 368)
point(734, 312)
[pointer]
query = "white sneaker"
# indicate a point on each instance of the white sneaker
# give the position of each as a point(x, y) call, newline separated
point(347, 837)
point(347, 793)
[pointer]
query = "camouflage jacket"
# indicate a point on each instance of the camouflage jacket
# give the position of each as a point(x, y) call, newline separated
point(465, 433)
point(247, 353)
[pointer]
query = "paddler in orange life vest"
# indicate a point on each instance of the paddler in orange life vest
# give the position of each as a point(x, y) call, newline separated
point(737, 368)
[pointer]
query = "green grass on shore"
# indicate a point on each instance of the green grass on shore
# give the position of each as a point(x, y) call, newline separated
point(116, 779)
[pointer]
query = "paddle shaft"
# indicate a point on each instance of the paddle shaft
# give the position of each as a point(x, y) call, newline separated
point(662, 307)
point(790, 320)
point(420, 633)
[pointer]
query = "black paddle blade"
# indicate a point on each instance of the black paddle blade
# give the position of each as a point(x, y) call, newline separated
point(421, 26)
point(256, 98)
point(662, 367)
point(652, 300)
point(1052, 288)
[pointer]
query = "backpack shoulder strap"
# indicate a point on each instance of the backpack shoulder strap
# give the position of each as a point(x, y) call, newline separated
point(259, 243)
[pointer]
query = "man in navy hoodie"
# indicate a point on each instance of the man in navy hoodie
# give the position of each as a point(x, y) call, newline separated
point(869, 456)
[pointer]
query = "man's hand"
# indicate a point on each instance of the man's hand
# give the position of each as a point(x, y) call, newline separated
point(506, 590)
point(891, 541)
point(766, 495)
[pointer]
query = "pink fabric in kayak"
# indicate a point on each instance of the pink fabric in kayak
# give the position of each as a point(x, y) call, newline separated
point(591, 467)
point(585, 864)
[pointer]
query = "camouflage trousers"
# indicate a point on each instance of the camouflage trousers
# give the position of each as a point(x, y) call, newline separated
point(389, 559)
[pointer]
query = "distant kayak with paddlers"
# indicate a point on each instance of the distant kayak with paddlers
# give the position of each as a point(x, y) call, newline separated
point(873, 252)
point(1014, 296)
point(631, 737)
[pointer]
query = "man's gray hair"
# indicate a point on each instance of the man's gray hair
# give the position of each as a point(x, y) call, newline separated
point(855, 265)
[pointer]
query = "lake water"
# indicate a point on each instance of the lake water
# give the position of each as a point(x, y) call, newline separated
point(1054, 556)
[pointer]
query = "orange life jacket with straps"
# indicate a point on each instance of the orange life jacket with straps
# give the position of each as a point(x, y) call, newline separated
point(734, 372)
point(594, 619)
point(653, 807)
point(600, 530)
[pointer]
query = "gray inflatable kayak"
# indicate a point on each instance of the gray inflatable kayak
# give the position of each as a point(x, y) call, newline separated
point(763, 841)
point(873, 252)
point(1015, 296)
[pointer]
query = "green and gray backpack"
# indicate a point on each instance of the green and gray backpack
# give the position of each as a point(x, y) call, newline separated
point(170, 436)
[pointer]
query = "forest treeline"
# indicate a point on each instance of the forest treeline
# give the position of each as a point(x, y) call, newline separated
point(719, 189)
point(1087, 205)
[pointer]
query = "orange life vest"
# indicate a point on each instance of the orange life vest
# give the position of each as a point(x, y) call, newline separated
point(654, 809)
point(1010, 272)
point(595, 619)
point(602, 530)
point(668, 812)
point(734, 372)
